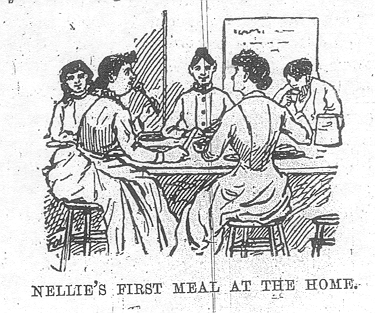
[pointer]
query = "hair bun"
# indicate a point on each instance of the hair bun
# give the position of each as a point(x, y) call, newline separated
point(264, 83)
point(202, 51)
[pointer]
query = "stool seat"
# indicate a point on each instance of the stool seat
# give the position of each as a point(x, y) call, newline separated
point(85, 238)
point(322, 224)
point(263, 243)
point(238, 223)
point(83, 206)
point(327, 219)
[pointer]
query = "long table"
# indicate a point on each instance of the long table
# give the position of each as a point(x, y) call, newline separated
point(309, 179)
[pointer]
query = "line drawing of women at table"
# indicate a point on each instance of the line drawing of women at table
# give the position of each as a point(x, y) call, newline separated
point(136, 214)
point(254, 190)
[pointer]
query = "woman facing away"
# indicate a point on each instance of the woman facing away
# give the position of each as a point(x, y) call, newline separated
point(135, 211)
point(254, 190)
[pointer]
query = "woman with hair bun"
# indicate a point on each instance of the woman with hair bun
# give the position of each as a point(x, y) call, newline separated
point(203, 105)
point(255, 190)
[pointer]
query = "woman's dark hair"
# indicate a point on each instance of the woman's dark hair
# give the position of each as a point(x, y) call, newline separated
point(202, 53)
point(111, 65)
point(298, 68)
point(256, 66)
point(71, 68)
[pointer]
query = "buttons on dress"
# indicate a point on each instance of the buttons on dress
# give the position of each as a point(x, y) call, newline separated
point(203, 124)
point(203, 99)
point(203, 111)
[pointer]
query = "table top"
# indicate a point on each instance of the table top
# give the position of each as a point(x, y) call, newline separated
point(317, 160)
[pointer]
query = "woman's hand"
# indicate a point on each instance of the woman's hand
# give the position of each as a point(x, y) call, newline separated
point(288, 101)
point(147, 111)
point(199, 133)
point(66, 136)
point(175, 155)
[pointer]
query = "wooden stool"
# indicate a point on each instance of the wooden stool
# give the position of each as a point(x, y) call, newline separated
point(248, 244)
point(87, 237)
point(321, 222)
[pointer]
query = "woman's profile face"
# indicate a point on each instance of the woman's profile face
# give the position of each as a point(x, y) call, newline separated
point(239, 79)
point(77, 82)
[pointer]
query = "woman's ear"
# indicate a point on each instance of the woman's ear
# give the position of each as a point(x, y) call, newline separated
point(214, 67)
point(246, 76)
point(111, 78)
point(190, 70)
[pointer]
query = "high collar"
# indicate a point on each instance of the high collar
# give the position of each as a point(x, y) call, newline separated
point(254, 93)
point(70, 98)
point(202, 89)
point(73, 96)
point(106, 93)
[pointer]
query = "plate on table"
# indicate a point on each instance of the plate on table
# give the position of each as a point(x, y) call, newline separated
point(234, 157)
point(159, 148)
point(59, 144)
point(286, 151)
point(151, 136)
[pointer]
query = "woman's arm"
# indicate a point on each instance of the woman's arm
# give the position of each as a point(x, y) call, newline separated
point(171, 127)
point(296, 127)
point(225, 133)
point(126, 139)
point(56, 129)
point(333, 103)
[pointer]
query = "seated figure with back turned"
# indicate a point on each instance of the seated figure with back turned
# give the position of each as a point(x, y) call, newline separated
point(254, 190)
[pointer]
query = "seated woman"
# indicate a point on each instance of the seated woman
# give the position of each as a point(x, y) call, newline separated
point(76, 80)
point(136, 212)
point(203, 105)
point(307, 95)
point(254, 190)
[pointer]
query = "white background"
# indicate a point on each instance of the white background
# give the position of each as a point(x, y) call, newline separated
point(37, 40)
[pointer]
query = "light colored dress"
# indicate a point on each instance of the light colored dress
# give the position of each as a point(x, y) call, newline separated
point(197, 107)
point(320, 98)
point(67, 116)
point(255, 190)
point(136, 213)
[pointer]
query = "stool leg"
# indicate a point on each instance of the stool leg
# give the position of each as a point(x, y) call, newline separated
point(228, 241)
point(312, 247)
point(243, 244)
point(320, 232)
point(272, 240)
point(283, 239)
point(87, 234)
point(231, 240)
point(65, 253)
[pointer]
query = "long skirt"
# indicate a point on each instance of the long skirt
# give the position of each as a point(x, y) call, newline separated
point(242, 195)
point(136, 214)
